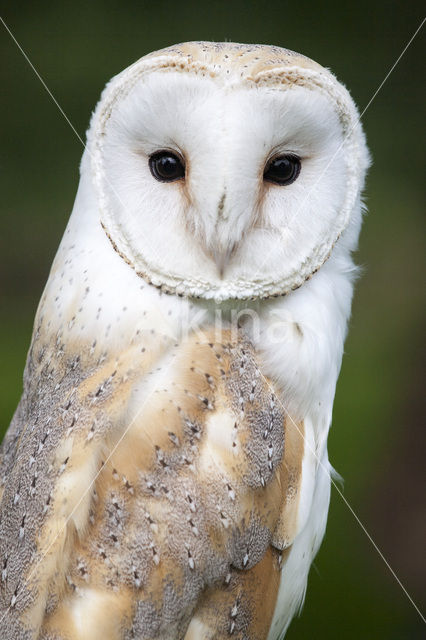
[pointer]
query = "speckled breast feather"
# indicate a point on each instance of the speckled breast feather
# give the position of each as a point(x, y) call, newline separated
point(178, 517)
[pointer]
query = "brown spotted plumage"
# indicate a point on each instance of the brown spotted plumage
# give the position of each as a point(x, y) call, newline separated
point(144, 524)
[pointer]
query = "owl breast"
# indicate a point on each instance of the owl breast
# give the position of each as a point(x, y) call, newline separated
point(172, 472)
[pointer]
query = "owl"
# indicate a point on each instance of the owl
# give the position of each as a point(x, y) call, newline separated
point(165, 475)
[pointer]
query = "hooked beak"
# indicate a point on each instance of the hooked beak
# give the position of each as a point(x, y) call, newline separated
point(222, 258)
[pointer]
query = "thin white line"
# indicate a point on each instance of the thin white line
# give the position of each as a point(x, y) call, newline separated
point(343, 142)
point(155, 251)
point(345, 501)
point(393, 67)
point(378, 550)
point(42, 82)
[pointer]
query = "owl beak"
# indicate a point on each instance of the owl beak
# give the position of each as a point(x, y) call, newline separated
point(222, 258)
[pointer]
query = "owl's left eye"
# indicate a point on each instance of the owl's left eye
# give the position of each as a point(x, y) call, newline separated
point(283, 170)
point(166, 166)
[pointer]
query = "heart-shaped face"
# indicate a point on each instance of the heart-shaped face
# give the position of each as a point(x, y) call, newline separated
point(226, 171)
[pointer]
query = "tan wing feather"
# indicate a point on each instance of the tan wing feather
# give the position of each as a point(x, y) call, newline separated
point(167, 491)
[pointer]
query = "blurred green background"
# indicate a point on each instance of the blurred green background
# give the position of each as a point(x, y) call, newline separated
point(377, 440)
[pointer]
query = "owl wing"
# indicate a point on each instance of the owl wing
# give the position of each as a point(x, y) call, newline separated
point(146, 494)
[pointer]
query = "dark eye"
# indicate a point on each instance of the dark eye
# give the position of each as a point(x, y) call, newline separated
point(166, 166)
point(283, 169)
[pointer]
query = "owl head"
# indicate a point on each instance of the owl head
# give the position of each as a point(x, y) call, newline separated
point(226, 171)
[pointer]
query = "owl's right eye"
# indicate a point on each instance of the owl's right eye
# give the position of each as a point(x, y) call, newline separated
point(166, 166)
point(283, 170)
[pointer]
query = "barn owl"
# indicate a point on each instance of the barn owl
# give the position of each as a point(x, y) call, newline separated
point(165, 475)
